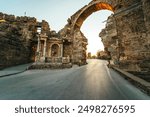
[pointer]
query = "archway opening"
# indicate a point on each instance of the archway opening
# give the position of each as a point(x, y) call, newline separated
point(55, 50)
point(91, 28)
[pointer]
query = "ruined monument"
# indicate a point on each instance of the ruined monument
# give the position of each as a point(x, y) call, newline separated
point(16, 34)
point(24, 40)
point(50, 52)
point(126, 37)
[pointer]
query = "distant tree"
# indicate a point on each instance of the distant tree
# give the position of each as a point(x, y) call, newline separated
point(101, 54)
point(94, 57)
point(89, 55)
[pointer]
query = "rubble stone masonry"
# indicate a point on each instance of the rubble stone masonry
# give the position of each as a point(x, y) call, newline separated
point(18, 37)
point(130, 44)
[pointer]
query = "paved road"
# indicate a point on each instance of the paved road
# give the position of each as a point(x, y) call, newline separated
point(92, 81)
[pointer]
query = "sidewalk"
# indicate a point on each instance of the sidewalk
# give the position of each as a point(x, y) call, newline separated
point(139, 82)
point(14, 70)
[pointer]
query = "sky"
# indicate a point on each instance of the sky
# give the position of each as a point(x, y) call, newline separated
point(56, 12)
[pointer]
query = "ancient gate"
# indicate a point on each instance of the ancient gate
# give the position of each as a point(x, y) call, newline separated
point(129, 24)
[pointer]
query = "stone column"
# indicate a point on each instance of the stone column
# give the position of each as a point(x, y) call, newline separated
point(50, 50)
point(38, 49)
point(38, 46)
point(44, 51)
point(61, 50)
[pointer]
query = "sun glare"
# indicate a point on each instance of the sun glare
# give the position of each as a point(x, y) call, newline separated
point(91, 29)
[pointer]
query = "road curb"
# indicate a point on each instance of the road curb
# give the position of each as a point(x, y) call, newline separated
point(137, 81)
point(12, 74)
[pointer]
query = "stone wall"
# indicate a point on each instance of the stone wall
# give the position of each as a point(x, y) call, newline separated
point(79, 47)
point(130, 46)
point(110, 39)
point(65, 34)
point(67, 49)
point(132, 33)
point(146, 11)
point(18, 39)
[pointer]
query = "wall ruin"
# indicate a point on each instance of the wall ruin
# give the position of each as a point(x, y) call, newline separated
point(130, 45)
point(126, 34)
point(18, 39)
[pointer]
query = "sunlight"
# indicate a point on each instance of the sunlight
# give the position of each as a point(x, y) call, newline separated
point(92, 27)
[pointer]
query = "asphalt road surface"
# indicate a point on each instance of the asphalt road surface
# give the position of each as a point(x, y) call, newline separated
point(93, 81)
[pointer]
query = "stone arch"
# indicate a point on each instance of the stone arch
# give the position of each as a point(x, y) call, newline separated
point(92, 7)
point(121, 8)
point(79, 54)
point(54, 44)
point(95, 5)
